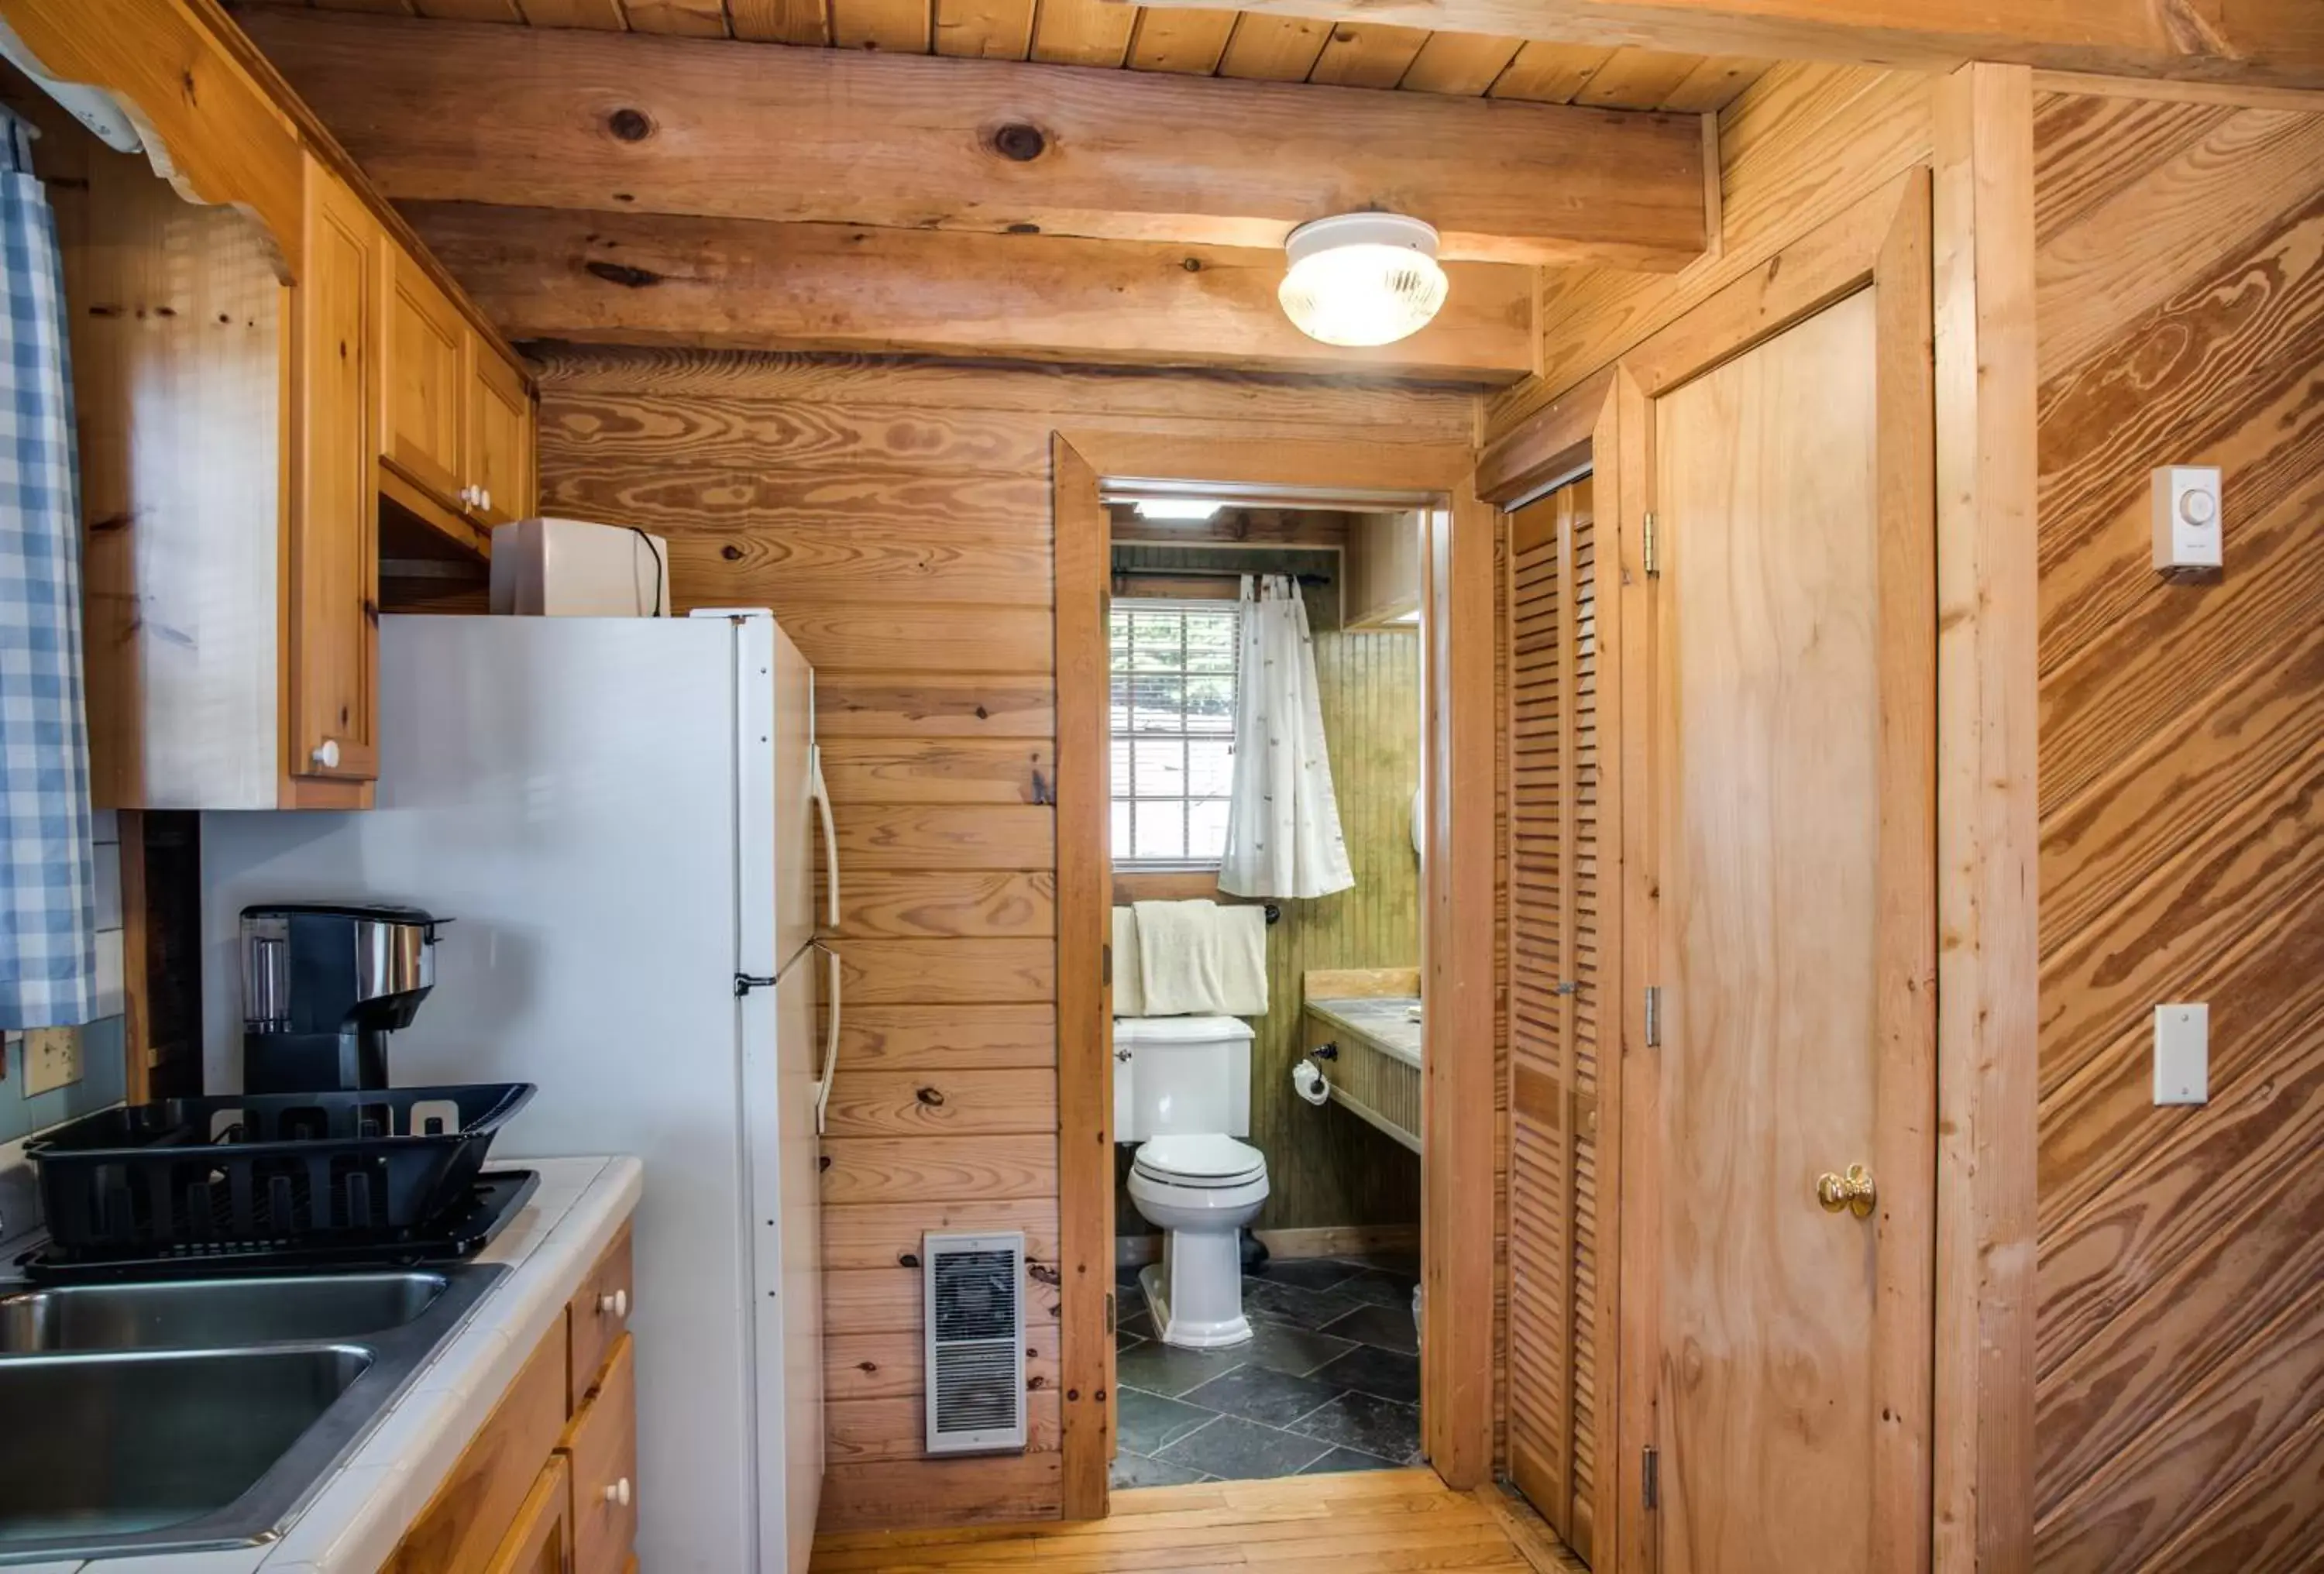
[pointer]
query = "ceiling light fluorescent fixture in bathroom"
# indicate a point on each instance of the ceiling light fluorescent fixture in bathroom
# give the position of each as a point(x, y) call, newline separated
point(1192, 509)
point(1362, 279)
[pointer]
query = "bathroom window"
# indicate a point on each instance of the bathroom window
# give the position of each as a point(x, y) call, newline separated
point(1173, 719)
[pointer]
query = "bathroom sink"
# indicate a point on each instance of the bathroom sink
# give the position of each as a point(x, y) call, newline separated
point(197, 1313)
point(204, 1414)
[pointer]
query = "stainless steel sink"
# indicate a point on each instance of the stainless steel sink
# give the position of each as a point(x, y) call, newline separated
point(177, 1417)
point(197, 1313)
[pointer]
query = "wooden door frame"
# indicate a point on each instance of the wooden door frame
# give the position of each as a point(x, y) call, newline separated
point(1457, 895)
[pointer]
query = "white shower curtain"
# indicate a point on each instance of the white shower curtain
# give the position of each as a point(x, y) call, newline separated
point(1283, 820)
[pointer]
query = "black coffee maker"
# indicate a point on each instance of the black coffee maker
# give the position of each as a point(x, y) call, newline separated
point(323, 985)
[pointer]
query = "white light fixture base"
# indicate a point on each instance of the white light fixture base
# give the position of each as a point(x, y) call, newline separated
point(1362, 279)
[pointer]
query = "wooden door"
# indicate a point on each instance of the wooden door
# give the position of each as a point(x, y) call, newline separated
point(1560, 1190)
point(1788, 816)
point(500, 439)
point(423, 408)
point(334, 629)
point(541, 1542)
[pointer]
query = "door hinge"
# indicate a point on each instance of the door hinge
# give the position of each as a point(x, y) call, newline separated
point(1650, 1478)
point(745, 982)
point(1105, 965)
point(1654, 1017)
point(1108, 1314)
point(1648, 549)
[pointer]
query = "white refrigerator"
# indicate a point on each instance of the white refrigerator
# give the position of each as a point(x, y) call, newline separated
point(620, 817)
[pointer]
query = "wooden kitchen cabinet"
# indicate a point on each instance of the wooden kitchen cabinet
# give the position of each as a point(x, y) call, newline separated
point(602, 1443)
point(500, 439)
point(541, 1542)
point(598, 1315)
point(423, 378)
point(467, 1523)
point(333, 624)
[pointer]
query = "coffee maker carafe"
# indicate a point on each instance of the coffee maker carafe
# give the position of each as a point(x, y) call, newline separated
point(323, 984)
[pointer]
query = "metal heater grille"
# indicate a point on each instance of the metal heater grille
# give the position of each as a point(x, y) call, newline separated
point(974, 1288)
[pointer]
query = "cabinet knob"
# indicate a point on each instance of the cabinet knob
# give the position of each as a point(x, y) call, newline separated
point(615, 1303)
point(326, 754)
point(618, 1492)
point(485, 498)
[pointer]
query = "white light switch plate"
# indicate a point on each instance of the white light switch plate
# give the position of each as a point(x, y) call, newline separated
point(52, 1059)
point(2182, 1054)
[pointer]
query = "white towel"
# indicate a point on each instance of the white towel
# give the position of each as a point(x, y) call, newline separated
point(1198, 958)
point(1128, 991)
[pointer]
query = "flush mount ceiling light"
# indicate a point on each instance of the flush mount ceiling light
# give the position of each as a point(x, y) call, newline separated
point(1362, 278)
point(1177, 508)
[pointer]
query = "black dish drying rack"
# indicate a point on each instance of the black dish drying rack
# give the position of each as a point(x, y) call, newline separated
point(243, 1175)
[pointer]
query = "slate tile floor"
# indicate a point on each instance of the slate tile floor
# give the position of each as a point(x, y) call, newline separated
point(1329, 1381)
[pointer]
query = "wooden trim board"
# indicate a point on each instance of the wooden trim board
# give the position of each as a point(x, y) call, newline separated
point(1457, 1246)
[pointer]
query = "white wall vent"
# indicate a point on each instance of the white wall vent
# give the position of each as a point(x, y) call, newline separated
point(973, 1309)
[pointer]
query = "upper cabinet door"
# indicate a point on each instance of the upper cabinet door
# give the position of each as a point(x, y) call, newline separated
point(500, 440)
point(334, 587)
point(424, 377)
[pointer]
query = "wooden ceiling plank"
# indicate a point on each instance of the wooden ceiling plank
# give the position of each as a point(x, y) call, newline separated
point(1549, 73)
point(1188, 40)
point(1082, 33)
point(1273, 49)
point(1463, 64)
point(604, 15)
point(579, 120)
point(792, 22)
point(658, 279)
point(680, 18)
point(2267, 42)
point(988, 30)
point(1365, 55)
point(899, 27)
point(470, 10)
point(1635, 80)
point(374, 7)
point(1715, 82)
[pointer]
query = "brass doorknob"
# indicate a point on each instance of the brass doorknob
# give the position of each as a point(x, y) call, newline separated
point(1853, 1191)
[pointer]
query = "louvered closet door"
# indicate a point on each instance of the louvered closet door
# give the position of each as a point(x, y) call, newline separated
point(1554, 1009)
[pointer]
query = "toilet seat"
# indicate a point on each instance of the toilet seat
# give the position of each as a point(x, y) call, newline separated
point(1204, 1162)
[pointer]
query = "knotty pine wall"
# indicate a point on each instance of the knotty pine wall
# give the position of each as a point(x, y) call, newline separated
point(896, 515)
point(2180, 1354)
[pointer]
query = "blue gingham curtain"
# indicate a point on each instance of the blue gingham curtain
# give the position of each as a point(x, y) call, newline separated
point(48, 912)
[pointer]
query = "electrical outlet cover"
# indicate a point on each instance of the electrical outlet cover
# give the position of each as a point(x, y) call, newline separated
point(2182, 1052)
point(52, 1059)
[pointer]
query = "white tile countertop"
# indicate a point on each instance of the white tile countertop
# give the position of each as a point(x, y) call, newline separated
point(365, 1505)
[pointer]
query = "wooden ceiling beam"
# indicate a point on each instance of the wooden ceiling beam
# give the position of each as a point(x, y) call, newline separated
point(441, 111)
point(2250, 42)
point(667, 278)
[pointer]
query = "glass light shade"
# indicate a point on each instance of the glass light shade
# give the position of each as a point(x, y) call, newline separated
point(1362, 279)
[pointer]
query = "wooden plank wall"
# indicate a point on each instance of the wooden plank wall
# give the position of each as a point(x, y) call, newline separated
point(2181, 1350)
point(1795, 148)
point(896, 516)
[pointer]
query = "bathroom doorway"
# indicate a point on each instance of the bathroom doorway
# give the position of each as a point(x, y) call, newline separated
point(1333, 1373)
point(1264, 730)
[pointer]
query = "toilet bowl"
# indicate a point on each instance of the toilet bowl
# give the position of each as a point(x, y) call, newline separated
point(1182, 1092)
point(1201, 1189)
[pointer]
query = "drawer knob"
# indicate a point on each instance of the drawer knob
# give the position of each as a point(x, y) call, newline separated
point(485, 498)
point(326, 754)
point(615, 1303)
point(618, 1492)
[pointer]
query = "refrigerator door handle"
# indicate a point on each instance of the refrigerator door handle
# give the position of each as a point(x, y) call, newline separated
point(822, 795)
point(830, 1039)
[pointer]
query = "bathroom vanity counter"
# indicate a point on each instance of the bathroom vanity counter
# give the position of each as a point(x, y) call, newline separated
point(1359, 1028)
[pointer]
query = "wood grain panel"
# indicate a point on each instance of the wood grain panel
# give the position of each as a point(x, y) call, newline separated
point(934, 705)
point(920, 904)
point(912, 972)
point(873, 1037)
point(2180, 1420)
point(1006, 1489)
point(942, 1103)
point(858, 1430)
point(933, 836)
point(744, 434)
point(968, 772)
point(889, 1169)
point(887, 1235)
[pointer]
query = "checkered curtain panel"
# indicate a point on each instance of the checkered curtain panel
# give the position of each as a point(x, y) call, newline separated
point(48, 962)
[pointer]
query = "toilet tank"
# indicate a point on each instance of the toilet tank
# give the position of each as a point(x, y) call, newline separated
point(1174, 1074)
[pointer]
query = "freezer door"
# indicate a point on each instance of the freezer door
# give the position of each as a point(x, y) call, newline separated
point(782, 1068)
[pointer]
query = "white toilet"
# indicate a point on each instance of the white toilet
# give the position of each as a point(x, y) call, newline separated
point(1182, 1091)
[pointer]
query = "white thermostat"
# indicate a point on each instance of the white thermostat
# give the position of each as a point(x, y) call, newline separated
point(2186, 519)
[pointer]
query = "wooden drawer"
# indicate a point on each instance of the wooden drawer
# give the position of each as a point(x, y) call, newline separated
point(464, 1524)
point(599, 1313)
point(541, 1542)
point(602, 1440)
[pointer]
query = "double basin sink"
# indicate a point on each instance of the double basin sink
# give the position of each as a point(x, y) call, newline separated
point(174, 1416)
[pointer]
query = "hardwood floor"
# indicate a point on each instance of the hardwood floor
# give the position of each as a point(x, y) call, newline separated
point(1406, 1520)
